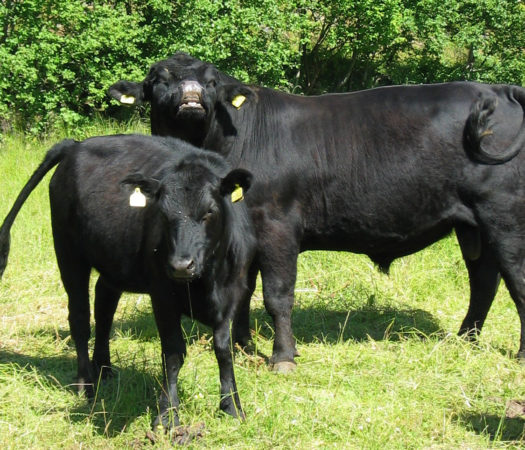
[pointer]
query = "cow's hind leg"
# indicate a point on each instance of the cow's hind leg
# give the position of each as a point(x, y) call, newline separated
point(106, 301)
point(513, 272)
point(504, 219)
point(278, 280)
point(484, 279)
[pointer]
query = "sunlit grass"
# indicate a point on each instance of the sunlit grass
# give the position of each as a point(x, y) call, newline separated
point(380, 364)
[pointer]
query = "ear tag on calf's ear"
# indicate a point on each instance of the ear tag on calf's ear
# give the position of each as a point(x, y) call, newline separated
point(137, 199)
point(237, 194)
point(238, 100)
point(127, 99)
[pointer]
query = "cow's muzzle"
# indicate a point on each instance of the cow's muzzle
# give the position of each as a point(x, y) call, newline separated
point(191, 97)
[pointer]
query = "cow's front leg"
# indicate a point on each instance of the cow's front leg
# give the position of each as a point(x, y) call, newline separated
point(278, 273)
point(173, 353)
point(277, 252)
point(222, 344)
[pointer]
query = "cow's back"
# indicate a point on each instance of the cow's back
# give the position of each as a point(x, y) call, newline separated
point(370, 169)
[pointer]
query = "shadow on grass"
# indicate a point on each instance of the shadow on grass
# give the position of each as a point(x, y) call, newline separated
point(60, 368)
point(131, 392)
point(311, 324)
point(317, 323)
point(118, 403)
point(497, 428)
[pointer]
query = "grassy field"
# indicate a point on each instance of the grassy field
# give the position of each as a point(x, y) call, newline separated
point(380, 366)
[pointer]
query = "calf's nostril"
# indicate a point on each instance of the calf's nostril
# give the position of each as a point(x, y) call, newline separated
point(183, 267)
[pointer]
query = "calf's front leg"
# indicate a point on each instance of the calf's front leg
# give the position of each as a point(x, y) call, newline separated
point(222, 345)
point(173, 354)
point(168, 416)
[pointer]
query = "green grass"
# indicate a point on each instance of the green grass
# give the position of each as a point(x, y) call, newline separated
point(380, 366)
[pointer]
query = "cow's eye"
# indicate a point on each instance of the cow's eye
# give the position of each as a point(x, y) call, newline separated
point(207, 217)
point(211, 83)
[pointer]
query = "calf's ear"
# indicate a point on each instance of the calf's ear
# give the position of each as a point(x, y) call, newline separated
point(236, 183)
point(127, 92)
point(149, 186)
point(236, 94)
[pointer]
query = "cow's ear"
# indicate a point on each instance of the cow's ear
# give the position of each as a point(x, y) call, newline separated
point(147, 185)
point(127, 92)
point(236, 183)
point(236, 94)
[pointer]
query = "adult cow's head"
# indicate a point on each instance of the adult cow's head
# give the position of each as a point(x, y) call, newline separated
point(194, 208)
point(185, 95)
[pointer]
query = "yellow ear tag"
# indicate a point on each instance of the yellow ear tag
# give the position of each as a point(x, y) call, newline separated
point(137, 199)
point(238, 100)
point(127, 99)
point(237, 194)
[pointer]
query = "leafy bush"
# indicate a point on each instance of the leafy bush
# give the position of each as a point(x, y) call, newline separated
point(57, 58)
point(361, 44)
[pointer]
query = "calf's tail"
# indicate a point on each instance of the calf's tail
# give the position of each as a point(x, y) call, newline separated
point(52, 158)
point(478, 127)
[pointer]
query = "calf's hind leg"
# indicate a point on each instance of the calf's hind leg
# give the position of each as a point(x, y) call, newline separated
point(241, 324)
point(106, 301)
point(75, 277)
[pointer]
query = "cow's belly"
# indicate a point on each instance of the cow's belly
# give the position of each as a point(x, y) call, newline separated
point(386, 235)
point(377, 244)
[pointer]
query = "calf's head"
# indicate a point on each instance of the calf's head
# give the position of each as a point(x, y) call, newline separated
point(192, 204)
point(185, 94)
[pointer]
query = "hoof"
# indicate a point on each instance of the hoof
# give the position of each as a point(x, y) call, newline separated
point(85, 388)
point(284, 367)
point(165, 421)
point(104, 373)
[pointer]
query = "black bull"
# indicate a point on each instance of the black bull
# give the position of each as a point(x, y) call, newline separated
point(186, 244)
point(384, 172)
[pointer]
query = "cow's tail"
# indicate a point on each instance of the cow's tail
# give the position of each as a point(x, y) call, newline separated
point(478, 127)
point(52, 158)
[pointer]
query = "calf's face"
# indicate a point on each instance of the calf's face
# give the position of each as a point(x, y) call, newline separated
point(192, 204)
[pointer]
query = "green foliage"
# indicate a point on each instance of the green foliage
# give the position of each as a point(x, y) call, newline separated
point(356, 45)
point(57, 58)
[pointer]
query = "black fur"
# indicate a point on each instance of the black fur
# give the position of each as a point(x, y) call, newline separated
point(190, 247)
point(384, 172)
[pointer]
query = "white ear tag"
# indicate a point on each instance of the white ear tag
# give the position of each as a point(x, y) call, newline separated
point(127, 99)
point(137, 199)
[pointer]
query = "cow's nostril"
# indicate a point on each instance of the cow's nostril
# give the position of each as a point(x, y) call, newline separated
point(191, 265)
